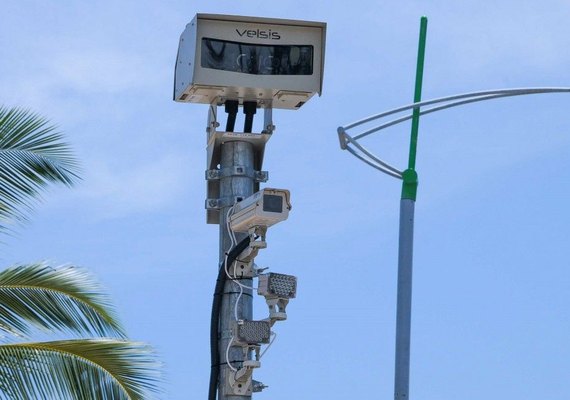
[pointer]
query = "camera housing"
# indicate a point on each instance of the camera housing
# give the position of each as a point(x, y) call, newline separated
point(262, 209)
point(276, 62)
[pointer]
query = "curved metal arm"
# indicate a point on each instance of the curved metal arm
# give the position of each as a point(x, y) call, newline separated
point(366, 156)
point(515, 92)
point(452, 101)
point(431, 110)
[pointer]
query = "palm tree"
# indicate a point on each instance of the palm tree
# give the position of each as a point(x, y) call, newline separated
point(67, 300)
point(32, 156)
point(34, 298)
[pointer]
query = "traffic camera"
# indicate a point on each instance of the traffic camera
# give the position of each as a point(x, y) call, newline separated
point(274, 62)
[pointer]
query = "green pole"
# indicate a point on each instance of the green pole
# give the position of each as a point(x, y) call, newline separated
point(410, 176)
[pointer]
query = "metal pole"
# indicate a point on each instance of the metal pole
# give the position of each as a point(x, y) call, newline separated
point(233, 154)
point(418, 92)
point(404, 303)
point(406, 245)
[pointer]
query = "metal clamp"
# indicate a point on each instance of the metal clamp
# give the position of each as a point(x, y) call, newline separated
point(242, 269)
point(240, 382)
point(236, 170)
point(216, 204)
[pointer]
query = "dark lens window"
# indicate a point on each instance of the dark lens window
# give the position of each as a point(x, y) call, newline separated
point(272, 203)
point(257, 59)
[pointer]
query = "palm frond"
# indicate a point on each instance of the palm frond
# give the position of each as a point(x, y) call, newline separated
point(64, 298)
point(96, 369)
point(32, 156)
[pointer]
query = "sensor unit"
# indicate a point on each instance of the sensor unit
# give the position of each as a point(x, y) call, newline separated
point(275, 62)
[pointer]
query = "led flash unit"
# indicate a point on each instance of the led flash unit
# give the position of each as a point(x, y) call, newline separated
point(277, 290)
point(252, 332)
point(273, 285)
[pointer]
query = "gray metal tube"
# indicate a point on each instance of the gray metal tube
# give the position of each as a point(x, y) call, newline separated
point(233, 154)
point(404, 302)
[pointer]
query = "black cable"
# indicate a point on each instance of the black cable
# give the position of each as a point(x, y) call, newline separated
point(215, 319)
point(249, 109)
point(231, 107)
point(242, 293)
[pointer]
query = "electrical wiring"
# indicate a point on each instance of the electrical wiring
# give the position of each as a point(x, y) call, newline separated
point(233, 241)
point(232, 278)
point(274, 334)
point(241, 286)
point(223, 274)
point(215, 317)
point(228, 355)
point(237, 302)
point(231, 233)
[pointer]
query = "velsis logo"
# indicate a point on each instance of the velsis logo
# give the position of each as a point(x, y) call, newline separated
point(259, 33)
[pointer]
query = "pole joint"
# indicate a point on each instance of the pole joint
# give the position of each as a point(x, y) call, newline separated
point(410, 184)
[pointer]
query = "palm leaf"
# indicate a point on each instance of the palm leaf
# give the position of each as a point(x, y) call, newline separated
point(66, 298)
point(96, 369)
point(32, 156)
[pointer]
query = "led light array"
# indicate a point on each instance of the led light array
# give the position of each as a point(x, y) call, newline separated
point(253, 332)
point(273, 285)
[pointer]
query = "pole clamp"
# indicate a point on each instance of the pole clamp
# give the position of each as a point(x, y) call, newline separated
point(236, 170)
point(216, 204)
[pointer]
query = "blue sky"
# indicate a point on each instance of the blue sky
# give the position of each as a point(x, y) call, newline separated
point(491, 286)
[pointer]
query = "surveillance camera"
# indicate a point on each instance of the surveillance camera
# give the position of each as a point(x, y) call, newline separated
point(262, 209)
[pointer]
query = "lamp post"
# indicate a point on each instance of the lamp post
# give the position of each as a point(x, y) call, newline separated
point(409, 179)
point(406, 241)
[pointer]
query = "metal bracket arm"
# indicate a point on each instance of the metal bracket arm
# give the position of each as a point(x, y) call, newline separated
point(347, 142)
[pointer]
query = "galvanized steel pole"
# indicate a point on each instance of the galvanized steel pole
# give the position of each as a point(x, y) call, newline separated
point(233, 154)
point(404, 302)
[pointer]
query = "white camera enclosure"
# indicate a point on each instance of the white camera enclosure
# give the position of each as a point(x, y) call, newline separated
point(276, 62)
point(262, 209)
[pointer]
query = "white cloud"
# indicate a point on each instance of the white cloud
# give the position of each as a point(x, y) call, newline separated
point(53, 74)
point(503, 46)
point(151, 186)
point(98, 70)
